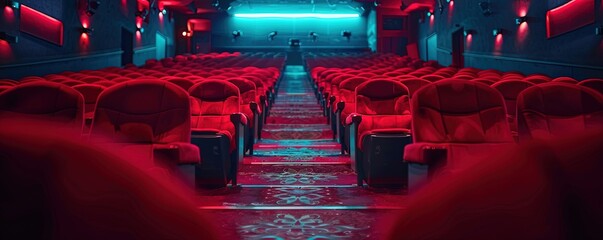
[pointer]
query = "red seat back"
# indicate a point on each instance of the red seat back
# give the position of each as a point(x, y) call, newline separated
point(557, 109)
point(596, 84)
point(510, 90)
point(142, 112)
point(213, 103)
point(182, 82)
point(383, 104)
point(44, 100)
point(459, 111)
point(414, 84)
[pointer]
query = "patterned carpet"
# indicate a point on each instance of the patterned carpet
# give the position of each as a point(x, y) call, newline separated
point(297, 185)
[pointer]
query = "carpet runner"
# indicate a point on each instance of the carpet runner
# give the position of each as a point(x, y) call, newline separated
point(297, 185)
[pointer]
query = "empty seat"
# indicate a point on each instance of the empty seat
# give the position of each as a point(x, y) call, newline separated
point(484, 81)
point(455, 122)
point(557, 109)
point(414, 84)
point(8, 82)
point(182, 82)
point(346, 105)
point(593, 83)
point(510, 90)
point(146, 116)
point(4, 88)
point(218, 130)
point(379, 128)
point(249, 107)
point(565, 80)
point(48, 101)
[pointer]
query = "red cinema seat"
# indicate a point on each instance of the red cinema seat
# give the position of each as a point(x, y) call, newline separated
point(565, 80)
point(554, 109)
point(537, 78)
point(379, 128)
point(346, 105)
point(59, 187)
point(249, 107)
point(454, 124)
point(510, 90)
point(90, 93)
point(46, 101)
point(147, 116)
point(218, 129)
point(71, 82)
point(544, 190)
point(414, 84)
point(4, 88)
point(92, 79)
point(484, 81)
point(596, 84)
point(8, 82)
point(182, 82)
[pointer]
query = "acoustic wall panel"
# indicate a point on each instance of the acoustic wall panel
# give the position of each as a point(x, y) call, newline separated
point(41, 25)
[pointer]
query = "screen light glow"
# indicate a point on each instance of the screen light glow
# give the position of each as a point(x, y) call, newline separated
point(295, 15)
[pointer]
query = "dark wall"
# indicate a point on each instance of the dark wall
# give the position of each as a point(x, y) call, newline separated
point(33, 56)
point(255, 32)
point(578, 53)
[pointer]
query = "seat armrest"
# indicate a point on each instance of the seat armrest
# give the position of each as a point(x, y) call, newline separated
point(180, 152)
point(353, 118)
point(340, 106)
point(255, 108)
point(263, 101)
point(424, 153)
point(238, 118)
point(332, 100)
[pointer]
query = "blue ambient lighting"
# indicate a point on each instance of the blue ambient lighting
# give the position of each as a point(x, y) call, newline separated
point(295, 15)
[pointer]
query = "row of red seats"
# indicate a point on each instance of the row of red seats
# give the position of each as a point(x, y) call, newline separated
point(329, 82)
point(223, 113)
point(378, 115)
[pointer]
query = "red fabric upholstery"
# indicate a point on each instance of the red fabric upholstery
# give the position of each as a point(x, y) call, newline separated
point(4, 88)
point(383, 104)
point(414, 84)
point(557, 109)
point(44, 100)
point(63, 188)
point(510, 90)
point(596, 84)
point(182, 83)
point(248, 94)
point(565, 80)
point(347, 91)
point(452, 112)
point(214, 102)
point(8, 82)
point(90, 93)
point(550, 190)
point(145, 113)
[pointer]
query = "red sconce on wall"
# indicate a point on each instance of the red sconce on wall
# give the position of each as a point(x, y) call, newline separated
point(8, 38)
point(12, 4)
point(521, 20)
